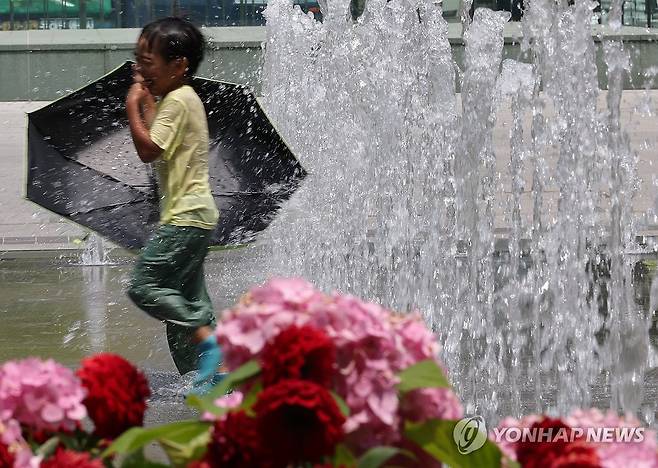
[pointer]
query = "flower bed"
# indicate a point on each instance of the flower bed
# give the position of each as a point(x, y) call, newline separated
point(315, 379)
point(43, 405)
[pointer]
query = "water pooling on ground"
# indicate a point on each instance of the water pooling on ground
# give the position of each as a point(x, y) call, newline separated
point(403, 200)
point(66, 309)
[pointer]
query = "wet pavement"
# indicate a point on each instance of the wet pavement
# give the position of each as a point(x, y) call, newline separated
point(64, 309)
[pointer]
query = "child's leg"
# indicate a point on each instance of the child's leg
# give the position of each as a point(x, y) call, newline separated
point(182, 347)
point(210, 356)
point(170, 261)
point(166, 263)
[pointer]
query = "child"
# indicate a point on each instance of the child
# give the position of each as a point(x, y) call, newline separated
point(168, 281)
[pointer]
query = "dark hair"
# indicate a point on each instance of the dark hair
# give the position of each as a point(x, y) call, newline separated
point(176, 38)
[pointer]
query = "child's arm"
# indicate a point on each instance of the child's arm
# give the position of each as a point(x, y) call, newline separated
point(149, 110)
point(146, 149)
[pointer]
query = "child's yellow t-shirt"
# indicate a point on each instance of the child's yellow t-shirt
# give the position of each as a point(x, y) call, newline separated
point(180, 128)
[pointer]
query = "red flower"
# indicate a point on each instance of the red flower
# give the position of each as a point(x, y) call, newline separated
point(577, 455)
point(235, 443)
point(199, 464)
point(304, 353)
point(6, 457)
point(298, 422)
point(557, 453)
point(117, 393)
point(42, 435)
point(69, 459)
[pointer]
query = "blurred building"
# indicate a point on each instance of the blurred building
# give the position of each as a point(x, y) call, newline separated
point(93, 14)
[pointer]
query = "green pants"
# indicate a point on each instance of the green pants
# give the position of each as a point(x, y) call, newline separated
point(169, 285)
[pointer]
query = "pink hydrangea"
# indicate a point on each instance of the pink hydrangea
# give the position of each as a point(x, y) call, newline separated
point(231, 401)
point(430, 403)
point(618, 454)
point(42, 395)
point(12, 438)
point(416, 341)
point(291, 293)
point(372, 347)
point(509, 448)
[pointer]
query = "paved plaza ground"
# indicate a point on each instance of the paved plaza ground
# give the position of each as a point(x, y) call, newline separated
point(26, 227)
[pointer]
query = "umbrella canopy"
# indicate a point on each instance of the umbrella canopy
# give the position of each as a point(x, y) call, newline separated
point(83, 166)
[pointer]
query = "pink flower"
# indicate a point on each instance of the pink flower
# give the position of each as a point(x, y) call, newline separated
point(245, 329)
point(618, 454)
point(292, 293)
point(12, 439)
point(372, 347)
point(509, 448)
point(429, 403)
point(42, 395)
point(417, 342)
point(230, 401)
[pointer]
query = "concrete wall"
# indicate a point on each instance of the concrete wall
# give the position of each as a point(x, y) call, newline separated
point(642, 44)
point(44, 65)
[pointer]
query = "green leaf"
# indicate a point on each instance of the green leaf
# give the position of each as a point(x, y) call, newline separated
point(137, 437)
point(185, 447)
point(377, 456)
point(344, 456)
point(509, 463)
point(250, 398)
point(137, 460)
point(425, 374)
point(80, 441)
point(188, 432)
point(437, 437)
point(342, 406)
point(207, 402)
point(48, 447)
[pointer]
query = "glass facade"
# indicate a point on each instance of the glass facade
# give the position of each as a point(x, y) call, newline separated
point(95, 14)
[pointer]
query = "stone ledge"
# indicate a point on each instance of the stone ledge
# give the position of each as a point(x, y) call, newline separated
point(118, 39)
point(29, 240)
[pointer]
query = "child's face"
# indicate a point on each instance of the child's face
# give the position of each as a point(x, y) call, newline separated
point(160, 76)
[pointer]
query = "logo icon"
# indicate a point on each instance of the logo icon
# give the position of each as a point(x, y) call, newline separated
point(470, 434)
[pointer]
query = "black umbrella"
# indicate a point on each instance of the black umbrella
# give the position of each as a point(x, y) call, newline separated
point(82, 164)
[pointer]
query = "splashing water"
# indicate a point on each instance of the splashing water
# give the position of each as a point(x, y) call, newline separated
point(404, 202)
point(94, 252)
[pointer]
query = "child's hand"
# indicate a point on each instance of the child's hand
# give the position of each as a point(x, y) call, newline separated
point(137, 94)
